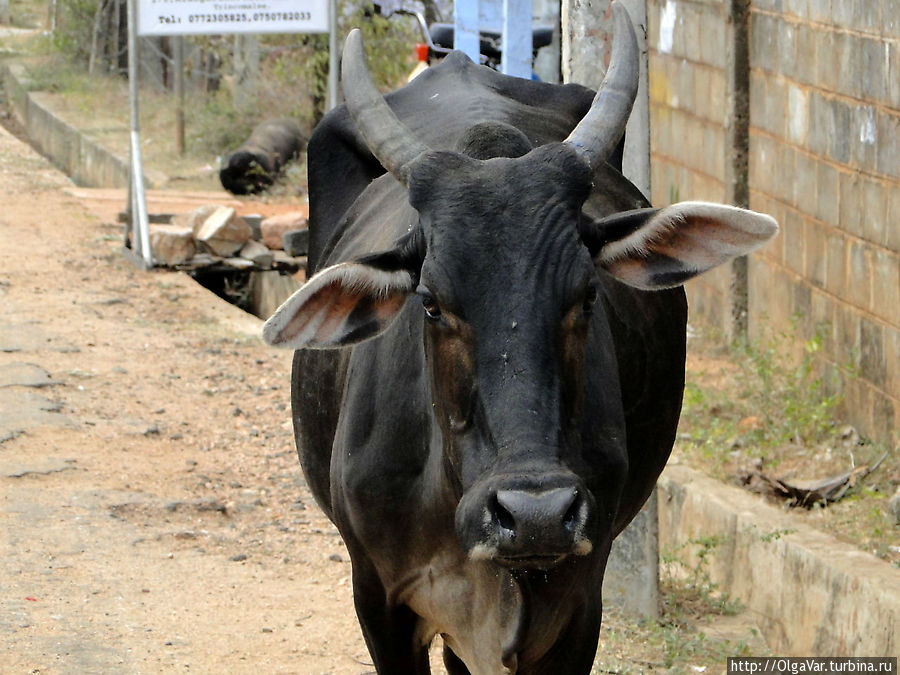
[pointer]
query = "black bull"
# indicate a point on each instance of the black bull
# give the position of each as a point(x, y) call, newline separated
point(480, 448)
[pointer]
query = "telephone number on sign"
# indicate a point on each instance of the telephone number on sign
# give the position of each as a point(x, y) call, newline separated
point(243, 17)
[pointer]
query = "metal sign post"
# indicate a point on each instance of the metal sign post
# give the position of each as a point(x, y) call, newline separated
point(516, 57)
point(333, 57)
point(511, 18)
point(466, 22)
point(140, 229)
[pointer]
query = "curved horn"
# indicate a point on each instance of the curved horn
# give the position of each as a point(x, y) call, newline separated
point(599, 131)
point(387, 137)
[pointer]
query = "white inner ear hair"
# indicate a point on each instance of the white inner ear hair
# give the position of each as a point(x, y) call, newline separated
point(361, 279)
point(755, 228)
point(352, 278)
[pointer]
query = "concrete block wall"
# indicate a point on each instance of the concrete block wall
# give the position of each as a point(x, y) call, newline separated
point(688, 98)
point(824, 159)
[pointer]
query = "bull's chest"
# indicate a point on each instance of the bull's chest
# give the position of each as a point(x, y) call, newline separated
point(477, 608)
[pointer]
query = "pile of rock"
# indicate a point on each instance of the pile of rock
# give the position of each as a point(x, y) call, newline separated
point(217, 236)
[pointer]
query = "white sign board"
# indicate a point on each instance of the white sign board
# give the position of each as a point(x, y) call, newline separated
point(215, 17)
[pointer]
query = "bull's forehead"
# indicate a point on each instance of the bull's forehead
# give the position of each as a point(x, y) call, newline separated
point(503, 227)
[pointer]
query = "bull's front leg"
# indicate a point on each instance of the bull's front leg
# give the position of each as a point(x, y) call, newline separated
point(390, 631)
point(453, 663)
point(575, 649)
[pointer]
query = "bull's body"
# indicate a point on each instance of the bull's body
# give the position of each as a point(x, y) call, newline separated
point(482, 451)
point(384, 485)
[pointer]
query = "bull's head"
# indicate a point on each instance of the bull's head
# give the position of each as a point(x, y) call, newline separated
point(506, 329)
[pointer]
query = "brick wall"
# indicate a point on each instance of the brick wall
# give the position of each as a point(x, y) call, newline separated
point(688, 89)
point(824, 160)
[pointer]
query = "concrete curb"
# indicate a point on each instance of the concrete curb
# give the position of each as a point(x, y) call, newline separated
point(86, 161)
point(810, 594)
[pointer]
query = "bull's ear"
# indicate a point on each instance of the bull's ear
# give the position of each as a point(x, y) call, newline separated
point(661, 248)
point(341, 305)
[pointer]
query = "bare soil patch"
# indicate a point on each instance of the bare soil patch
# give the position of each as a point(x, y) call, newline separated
point(159, 521)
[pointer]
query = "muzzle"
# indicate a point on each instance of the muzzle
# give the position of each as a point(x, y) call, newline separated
point(526, 521)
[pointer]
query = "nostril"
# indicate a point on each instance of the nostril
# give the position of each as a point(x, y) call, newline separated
point(504, 518)
point(573, 513)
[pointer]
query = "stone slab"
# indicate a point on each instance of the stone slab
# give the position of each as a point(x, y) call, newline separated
point(269, 290)
point(172, 244)
point(631, 581)
point(224, 232)
point(296, 242)
point(23, 409)
point(273, 228)
point(23, 374)
point(194, 219)
point(258, 253)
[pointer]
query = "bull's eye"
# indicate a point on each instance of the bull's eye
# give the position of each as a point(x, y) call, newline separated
point(590, 297)
point(432, 309)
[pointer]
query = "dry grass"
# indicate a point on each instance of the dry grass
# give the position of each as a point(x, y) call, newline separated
point(769, 408)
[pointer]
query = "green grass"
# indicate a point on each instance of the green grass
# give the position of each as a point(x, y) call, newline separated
point(773, 398)
point(699, 627)
point(629, 645)
point(687, 587)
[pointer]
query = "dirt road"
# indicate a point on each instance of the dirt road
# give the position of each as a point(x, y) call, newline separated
point(153, 517)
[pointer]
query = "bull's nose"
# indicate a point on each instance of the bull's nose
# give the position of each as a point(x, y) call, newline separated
point(536, 529)
point(517, 510)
